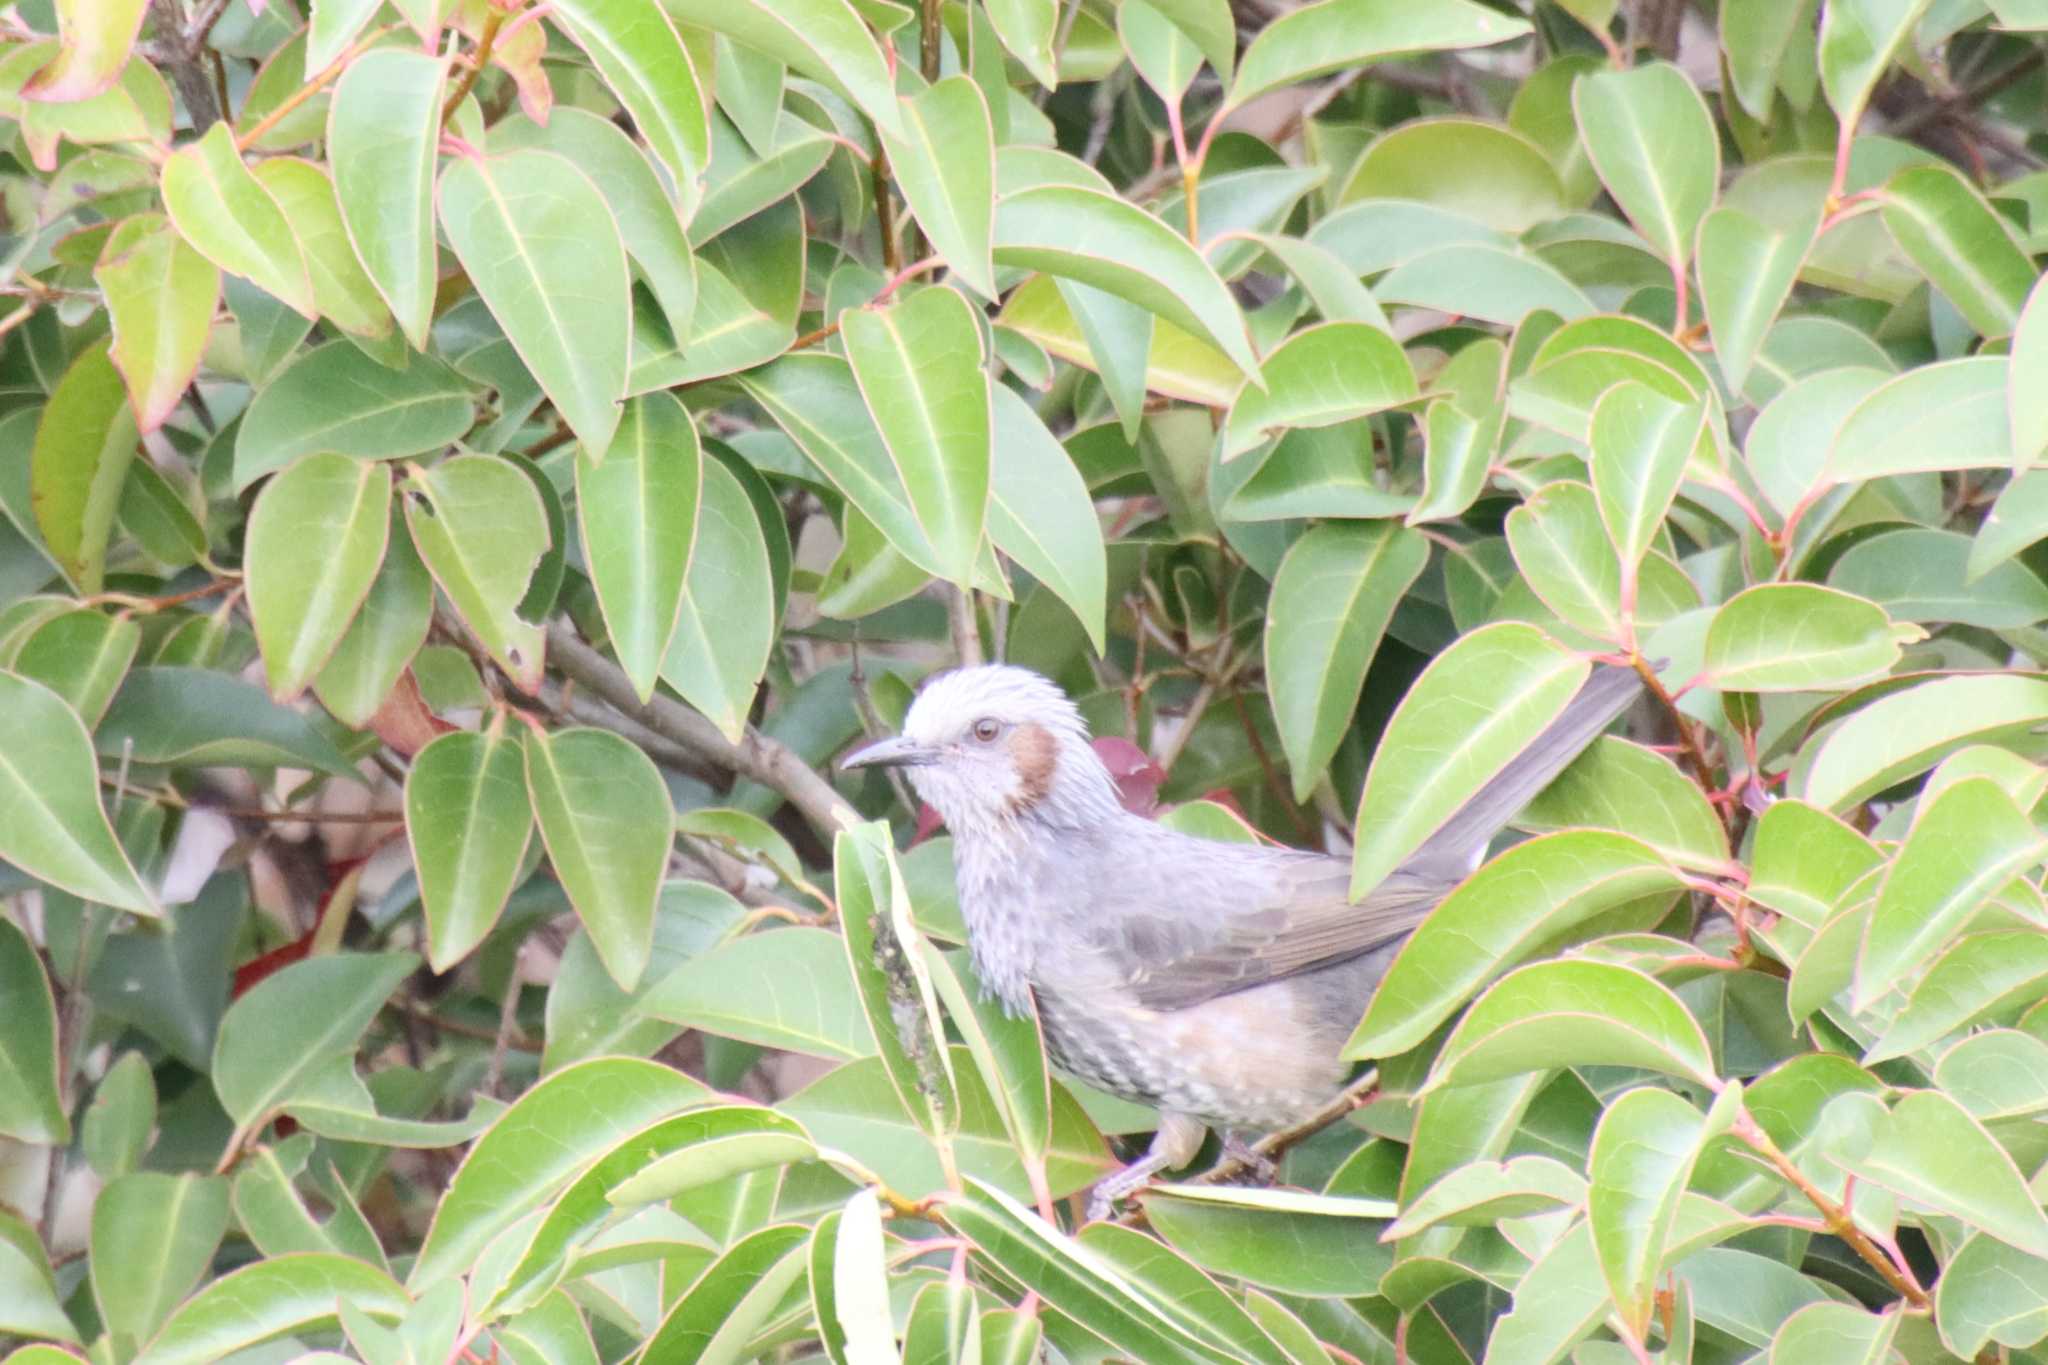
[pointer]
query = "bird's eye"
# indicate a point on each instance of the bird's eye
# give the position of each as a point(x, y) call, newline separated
point(986, 729)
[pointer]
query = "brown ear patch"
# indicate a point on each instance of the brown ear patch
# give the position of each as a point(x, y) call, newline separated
point(1036, 755)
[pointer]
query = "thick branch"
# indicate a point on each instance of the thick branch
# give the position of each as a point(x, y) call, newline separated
point(756, 756)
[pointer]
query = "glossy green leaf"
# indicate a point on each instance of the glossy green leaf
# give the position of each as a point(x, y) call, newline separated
point(480, 528)
point(544, 253)
point(945, 164)
point(1747, 268)
point(1319, 377)
point(384, 637)
point(605, 815)
point(334, 399)
point(1988, 1292)
point(1472, 710)
point(31, 1107)
point(344, 292)
point(1642, 443)
point(1438, 183)
point(2026, 396)
point(1996, 1074)
point(1932, 1152)
point(94, 38)
point(82, 656)
point(316, 539)
point(902, 1007)
point(276, 1039)
point(119, 1123)
point(381, 138)
point(84, 443)
point(1961, 244)
point(826, 40)
point(1625, 787)
point(812, 1007)
point(1766, 43)
point(1642, 1157)
point(30, 1307)
point(1858, 40)
point(469, 821)
point(161, 296)
point(1652, 140)
point(548, 1137)
point(1793, 637)
point(1482, 1193)
point(726, 625)
point(1527, 897)
point(718, 1314)
point(636, 49)
point(261, 1300)
point(153, 1237)
point(1980, 976)
point(51, 822)
point(1910, 730)
point(1965, 845)
point(227, 215)
point(637, 513)
point(1565, 554)
point(1285, 1240)
point(1574, 1013)
point(1104, 241)
point(1919, 574)
point(1040, 513)
point(1484, 281)
point(1332, 599)
point(919, 366)
point(1338, 33)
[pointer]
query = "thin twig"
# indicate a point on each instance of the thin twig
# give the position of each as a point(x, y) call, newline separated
point(1276, 1144)
point(484, 43)
point(885, 207)
point(312, 87)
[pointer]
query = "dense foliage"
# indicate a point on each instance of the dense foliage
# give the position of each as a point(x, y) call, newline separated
point(468, 468)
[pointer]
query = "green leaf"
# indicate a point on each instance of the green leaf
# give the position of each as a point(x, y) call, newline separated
point(385, 635)
point(1008, 1048)
point(1653, 142)
point(1982, 976)
point(1284, 1240)
point(1858, 39)
point(1797, 637)
point(826, 40)
point(1642, 1158)
point(1747, 268)
point(480, 527)
point(725, 628)
point(1332, 599)
point(1961, 244)
point(1482, 1193)
point(267, 1298)
point(84, 442)
point(636, 50)
point(120, 1121)
point(1624, 787)
point(544, 253)
point(231, 219)
point(51, 823)
point(1438, 183)
point(29, 1306)
point(1476, 706)
point(1964, 846)
point(605, 815)
point(1488, 282)
point(1318, 377)
point(717, 1316)
point(1910, 730)
point(161, 296)
point(722, 992)
point(945, 165)
point(93, 43)
point(1040, 513)
point(550, 1135)
point(82, 656)
point(941, 1328)
point(1932, 1152)
point(1641, 443)
point(382, 133)
point(919, 366)
point(31, 1105)
point(1574, 1013)
point(2026, 397)
point(1165, 58)
point(334, 399)
point(1768, 43)
point(276, 1039)
point(1564, 551)
point(468, 820)
point(637, 513)
point(1323, 37)
point(1988, 1292)
point(1071, 1278)
point(153, 1236)
point(1104, 241)
point(901, 1005)
point(341, 288)
point(1997, 1074)
point(1530, 895)
point(648, 222)
point(1919, 574)
point(316, 539)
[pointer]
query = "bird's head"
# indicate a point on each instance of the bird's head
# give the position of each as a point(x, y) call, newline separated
point(993, 746)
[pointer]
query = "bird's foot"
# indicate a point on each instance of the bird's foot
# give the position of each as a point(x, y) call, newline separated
point(1175, 1144)
point(1256, 1167)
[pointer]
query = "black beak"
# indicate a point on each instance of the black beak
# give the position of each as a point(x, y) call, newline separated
point(894, 752)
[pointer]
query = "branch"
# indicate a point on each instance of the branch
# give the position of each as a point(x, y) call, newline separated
point(756, 756)
point(1273, 1145)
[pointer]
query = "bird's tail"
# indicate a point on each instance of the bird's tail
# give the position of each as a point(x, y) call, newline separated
point(1458, 847)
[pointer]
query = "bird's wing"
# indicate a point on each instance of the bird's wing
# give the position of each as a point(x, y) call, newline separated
point(1238, 919)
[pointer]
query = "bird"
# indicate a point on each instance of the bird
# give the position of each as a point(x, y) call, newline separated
point(1216, 981)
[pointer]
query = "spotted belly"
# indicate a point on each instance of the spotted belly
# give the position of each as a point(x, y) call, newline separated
point(1240, 1061)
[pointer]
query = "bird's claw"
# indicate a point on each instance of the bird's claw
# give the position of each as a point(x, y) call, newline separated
point(1257, 1167)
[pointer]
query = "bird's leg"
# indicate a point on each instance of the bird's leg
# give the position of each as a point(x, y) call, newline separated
point(1257, 1166)
point(1175, 1144)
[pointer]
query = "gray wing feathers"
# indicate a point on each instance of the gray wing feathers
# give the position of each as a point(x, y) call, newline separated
point(1244, 916)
